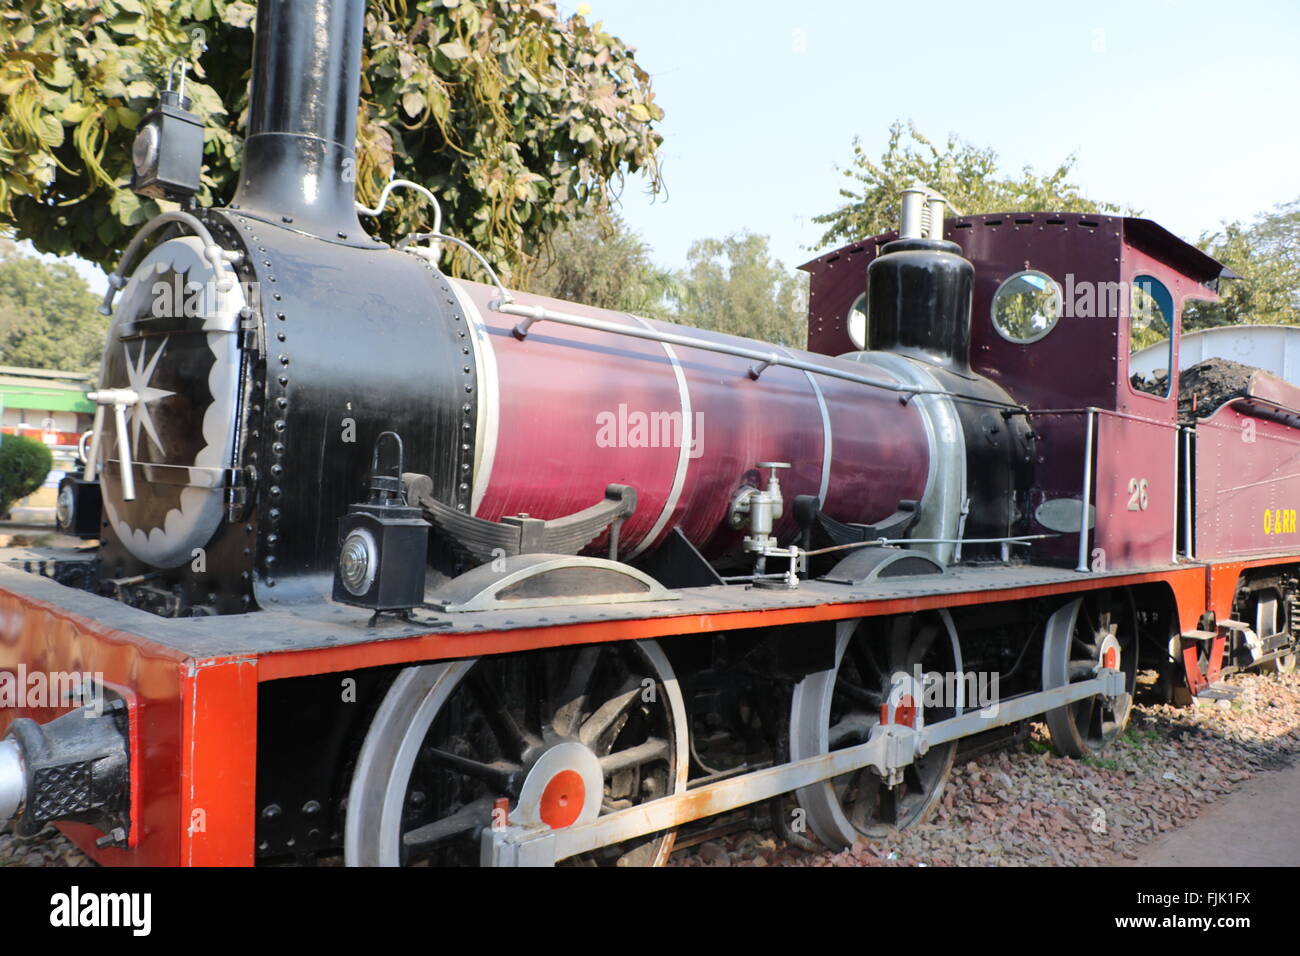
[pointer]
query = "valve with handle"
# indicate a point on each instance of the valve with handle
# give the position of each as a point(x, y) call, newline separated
point(760, 509)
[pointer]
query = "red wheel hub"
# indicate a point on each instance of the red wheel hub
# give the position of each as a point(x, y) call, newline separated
point(562, 800)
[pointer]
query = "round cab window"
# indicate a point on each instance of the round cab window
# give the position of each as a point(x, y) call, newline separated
point(857, 322)
point(1026, 307)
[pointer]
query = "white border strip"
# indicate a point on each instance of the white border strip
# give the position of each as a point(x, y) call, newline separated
point(683, 453)
point(827, 442)
point(488, 424)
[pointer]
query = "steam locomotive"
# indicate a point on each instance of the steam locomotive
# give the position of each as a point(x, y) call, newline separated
point(429, 570)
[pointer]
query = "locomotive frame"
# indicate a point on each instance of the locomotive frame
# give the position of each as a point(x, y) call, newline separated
point(975, 483)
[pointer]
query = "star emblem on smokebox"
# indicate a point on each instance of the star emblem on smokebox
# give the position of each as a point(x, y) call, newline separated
point(139, 373)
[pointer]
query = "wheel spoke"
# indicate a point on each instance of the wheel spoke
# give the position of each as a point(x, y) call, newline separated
point(1082, 670)
point(1090, 650)
point(1085, 711)
point(471, 817)
point(853, 728)
point(509, 736)
point(501, 779)
point(924, 641)
point(653, 749)
point(864, 658)
point(868, 697)
point(600, 729)
point(1089, 620)
point(900, 641)
point(534, 693)
point(863, 798)
point(577, 692)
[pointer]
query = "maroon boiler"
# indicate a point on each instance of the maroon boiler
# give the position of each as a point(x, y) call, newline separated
point(570, 410)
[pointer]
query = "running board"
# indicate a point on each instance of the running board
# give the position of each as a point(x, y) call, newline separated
point(1219, 691)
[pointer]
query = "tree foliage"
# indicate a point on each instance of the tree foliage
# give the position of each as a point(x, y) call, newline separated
point(24, 463)
point(519, 118)
point(730, 285)
point(602, 263)
point(1266, 254)
point(47, 315)
point(734, 285)
point(968, 176)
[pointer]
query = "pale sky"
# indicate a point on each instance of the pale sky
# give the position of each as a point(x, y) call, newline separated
point(1184, 109)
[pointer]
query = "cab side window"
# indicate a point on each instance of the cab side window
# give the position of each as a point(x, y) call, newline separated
point(1150, 325)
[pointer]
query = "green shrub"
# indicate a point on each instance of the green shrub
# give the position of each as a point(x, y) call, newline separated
point(24, 463)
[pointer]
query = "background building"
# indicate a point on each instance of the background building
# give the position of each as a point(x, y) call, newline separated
point(51, 407)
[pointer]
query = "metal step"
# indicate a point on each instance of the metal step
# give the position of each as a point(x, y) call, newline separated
point(1199, 635)
point(1219, 691)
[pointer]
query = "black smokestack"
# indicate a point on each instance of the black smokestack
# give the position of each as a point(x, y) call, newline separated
point(919, 301)
point(299, 165)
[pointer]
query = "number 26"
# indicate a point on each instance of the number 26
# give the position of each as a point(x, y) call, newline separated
point(1137, 491)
